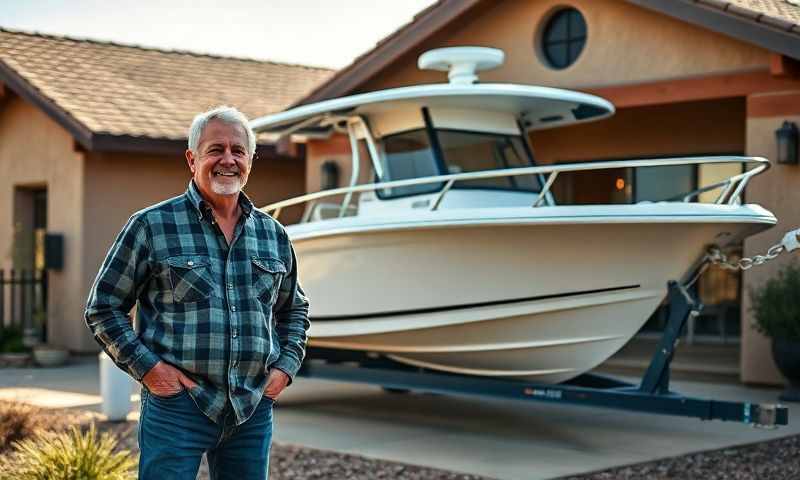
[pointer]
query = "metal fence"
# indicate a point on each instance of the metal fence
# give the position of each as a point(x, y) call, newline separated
point(23, 295)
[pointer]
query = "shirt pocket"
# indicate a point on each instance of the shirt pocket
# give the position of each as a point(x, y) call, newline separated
point(190, 277)
point(267, 276)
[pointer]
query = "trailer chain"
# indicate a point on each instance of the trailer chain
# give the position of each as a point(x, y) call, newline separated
point(791, 241)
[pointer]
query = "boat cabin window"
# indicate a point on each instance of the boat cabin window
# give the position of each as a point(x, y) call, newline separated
point(410, 155)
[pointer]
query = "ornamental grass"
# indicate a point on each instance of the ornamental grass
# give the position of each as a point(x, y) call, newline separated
point(70, 455)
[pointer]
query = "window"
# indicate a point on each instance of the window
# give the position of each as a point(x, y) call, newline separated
point(409, 155)
point(329, 175)
point(563, 38)
point(475, 152)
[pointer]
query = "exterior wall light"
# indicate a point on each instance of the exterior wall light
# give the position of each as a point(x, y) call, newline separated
point(786, 139)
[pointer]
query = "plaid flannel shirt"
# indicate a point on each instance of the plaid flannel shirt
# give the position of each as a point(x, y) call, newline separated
point(222, 314)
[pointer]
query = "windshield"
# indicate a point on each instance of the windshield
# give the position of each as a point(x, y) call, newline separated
point(410, 155)
point(475, 152)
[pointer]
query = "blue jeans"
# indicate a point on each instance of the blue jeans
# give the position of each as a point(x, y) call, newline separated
point(174, 434)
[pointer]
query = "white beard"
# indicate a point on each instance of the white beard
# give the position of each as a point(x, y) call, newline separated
point(226, 185)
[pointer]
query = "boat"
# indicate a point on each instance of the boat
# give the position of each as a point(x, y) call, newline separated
point(459, 259)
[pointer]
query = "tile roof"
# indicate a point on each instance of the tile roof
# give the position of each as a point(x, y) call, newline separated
point(123, 90)
point(781, 14)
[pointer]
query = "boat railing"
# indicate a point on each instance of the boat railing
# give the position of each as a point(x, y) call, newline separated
point(730, 194)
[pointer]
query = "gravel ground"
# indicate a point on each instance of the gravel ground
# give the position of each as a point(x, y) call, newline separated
point(301, 463)
point(775, 459)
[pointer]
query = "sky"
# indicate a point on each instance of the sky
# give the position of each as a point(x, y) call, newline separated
point(310, 32)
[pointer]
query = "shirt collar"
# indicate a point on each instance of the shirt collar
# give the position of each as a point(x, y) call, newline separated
point(204, 209)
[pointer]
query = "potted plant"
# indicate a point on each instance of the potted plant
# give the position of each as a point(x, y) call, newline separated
point(13, 352)
point(776, 307)
point(47, 355)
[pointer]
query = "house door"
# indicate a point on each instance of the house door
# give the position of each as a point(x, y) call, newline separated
point(27, 281)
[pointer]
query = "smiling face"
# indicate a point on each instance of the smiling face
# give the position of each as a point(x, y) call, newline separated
point(222, 163)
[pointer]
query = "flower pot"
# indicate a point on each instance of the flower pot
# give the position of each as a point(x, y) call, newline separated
point(786, 354)
point(14, 360)
point(48, 356)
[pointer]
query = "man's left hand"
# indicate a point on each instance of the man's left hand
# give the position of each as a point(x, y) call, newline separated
point(276, 382)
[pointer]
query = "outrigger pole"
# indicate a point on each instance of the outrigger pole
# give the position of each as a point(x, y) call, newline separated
point(651, 395)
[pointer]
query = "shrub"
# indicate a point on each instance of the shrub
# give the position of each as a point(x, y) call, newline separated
point(11, 340)
point(17, 422)
point(776, 304)
point(68, 455)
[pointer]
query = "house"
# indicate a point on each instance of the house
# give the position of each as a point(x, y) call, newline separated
point(702, 77)
point(91, 132)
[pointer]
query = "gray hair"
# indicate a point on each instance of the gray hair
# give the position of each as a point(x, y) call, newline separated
point(229, 115)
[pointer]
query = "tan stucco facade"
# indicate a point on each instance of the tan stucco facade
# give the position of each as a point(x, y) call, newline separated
point(36, 152)
point(625, 44)
point(89, 198)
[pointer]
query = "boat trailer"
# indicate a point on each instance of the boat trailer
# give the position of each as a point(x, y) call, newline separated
point(651, 395)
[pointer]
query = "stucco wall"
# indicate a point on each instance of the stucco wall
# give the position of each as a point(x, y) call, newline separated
point(776, 190)
point(625, 44)
point(35, 151)
point(117, 185)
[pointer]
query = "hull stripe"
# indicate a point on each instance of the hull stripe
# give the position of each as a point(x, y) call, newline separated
point(333, 318)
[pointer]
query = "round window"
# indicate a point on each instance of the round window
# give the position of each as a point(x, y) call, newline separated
point(563, 38)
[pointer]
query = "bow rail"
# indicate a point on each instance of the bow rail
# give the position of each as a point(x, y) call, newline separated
point(732, 187)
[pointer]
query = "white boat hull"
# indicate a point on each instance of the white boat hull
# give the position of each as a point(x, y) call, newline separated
point(543, 299)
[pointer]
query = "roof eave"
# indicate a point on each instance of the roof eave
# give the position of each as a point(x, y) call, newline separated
point(28, 92)
point(106, 142)
point(747, 30)
point(109, 143)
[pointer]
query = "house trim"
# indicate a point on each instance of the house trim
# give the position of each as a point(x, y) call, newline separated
point(708, 87)
point(749, 29)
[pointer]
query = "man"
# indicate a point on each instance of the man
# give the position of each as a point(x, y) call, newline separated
point(222, 319)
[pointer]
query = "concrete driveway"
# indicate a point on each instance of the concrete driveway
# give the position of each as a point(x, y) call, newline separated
point(495, 438)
